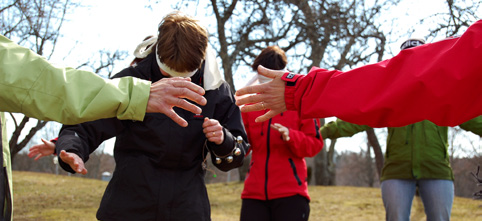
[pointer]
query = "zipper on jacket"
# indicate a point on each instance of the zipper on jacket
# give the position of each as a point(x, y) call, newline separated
point(409, 131)
point(294, 171)
point(415, 153)
point(317, 128)
point(267, 159)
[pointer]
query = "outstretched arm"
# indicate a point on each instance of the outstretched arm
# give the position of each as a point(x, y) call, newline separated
point(438, 82)
point(72, 96)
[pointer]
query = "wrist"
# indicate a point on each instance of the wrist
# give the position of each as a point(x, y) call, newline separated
point(290, 87)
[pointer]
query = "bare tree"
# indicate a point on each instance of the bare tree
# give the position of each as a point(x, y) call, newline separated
point(356, 169)
point(377, 149)
point(459, 15)
point(339, 35)
point(37, 24)
point(325, 167)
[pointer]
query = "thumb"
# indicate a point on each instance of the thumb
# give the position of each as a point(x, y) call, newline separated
point(44, 141)
point(269, 72)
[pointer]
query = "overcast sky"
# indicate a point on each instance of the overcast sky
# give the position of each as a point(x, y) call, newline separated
point(122, 24)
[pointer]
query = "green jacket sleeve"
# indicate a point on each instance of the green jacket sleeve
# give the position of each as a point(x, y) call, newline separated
point(29, 84)
point(340, 128)
point(474, 125)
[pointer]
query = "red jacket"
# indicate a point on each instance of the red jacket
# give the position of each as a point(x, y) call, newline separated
point(278, 168)
point(439, 82)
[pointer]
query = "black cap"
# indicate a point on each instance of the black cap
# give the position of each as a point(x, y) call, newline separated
point(412, 42)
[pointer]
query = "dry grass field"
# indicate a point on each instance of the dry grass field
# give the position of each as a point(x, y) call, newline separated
point(39, 196)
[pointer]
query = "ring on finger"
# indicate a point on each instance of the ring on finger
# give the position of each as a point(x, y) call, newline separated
point(214, 133)
point(262, 104)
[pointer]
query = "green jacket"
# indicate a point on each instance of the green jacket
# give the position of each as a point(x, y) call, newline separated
point(29, 84)
point(416, 151)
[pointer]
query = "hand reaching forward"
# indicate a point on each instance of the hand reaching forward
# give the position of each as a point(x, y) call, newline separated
point(41, 150)
point(169, 92)
point(284, 131)
point(75, 162)
point(213, 131)
point(269, 95)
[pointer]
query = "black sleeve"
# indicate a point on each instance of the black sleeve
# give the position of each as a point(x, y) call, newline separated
point(83, 139)
point(229, 116)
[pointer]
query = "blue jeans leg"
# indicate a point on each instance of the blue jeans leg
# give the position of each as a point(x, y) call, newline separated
point(437, 197)
point(397, 198)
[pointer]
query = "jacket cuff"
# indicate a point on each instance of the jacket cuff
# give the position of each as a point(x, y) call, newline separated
point(139, 97)
point(54, 141)
point(290, 89)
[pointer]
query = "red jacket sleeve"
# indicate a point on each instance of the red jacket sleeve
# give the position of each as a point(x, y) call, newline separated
point(439, 82)
point(307, 141)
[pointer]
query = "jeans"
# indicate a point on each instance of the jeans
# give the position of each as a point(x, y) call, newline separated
point(437, 197)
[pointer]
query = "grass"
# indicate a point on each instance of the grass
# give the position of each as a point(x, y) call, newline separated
point(39, 196)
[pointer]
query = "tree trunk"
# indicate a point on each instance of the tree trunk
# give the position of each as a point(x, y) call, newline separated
point(16, 146)
point(325, 173)
point(377, 149)
point(369, 166)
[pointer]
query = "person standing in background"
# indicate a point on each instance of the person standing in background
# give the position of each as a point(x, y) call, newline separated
point(416, 156)
point(276, 185)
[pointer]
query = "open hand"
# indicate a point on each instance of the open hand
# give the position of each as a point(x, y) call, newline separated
point(41, 150)
point(270, 95)
point(75, 162)
point(284, 131)
point(169, 92)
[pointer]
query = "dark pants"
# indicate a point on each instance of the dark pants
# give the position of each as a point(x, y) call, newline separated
point(289, 208)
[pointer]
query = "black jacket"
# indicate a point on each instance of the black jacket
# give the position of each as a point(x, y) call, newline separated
point(159, 173)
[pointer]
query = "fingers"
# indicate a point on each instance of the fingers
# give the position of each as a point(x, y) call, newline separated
point(181, 103)
point(38, 157)
point(180, 88)
point(275, 126)
point(171, 92)
point(186, 82)
point(75, 162)
point(191, 91)
point(261, 87)
point(253, 89)
point(254, 105)
point(270, 114)
point(213, 131)
point(176, 118)
point(284, 131)
point(33, 150)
